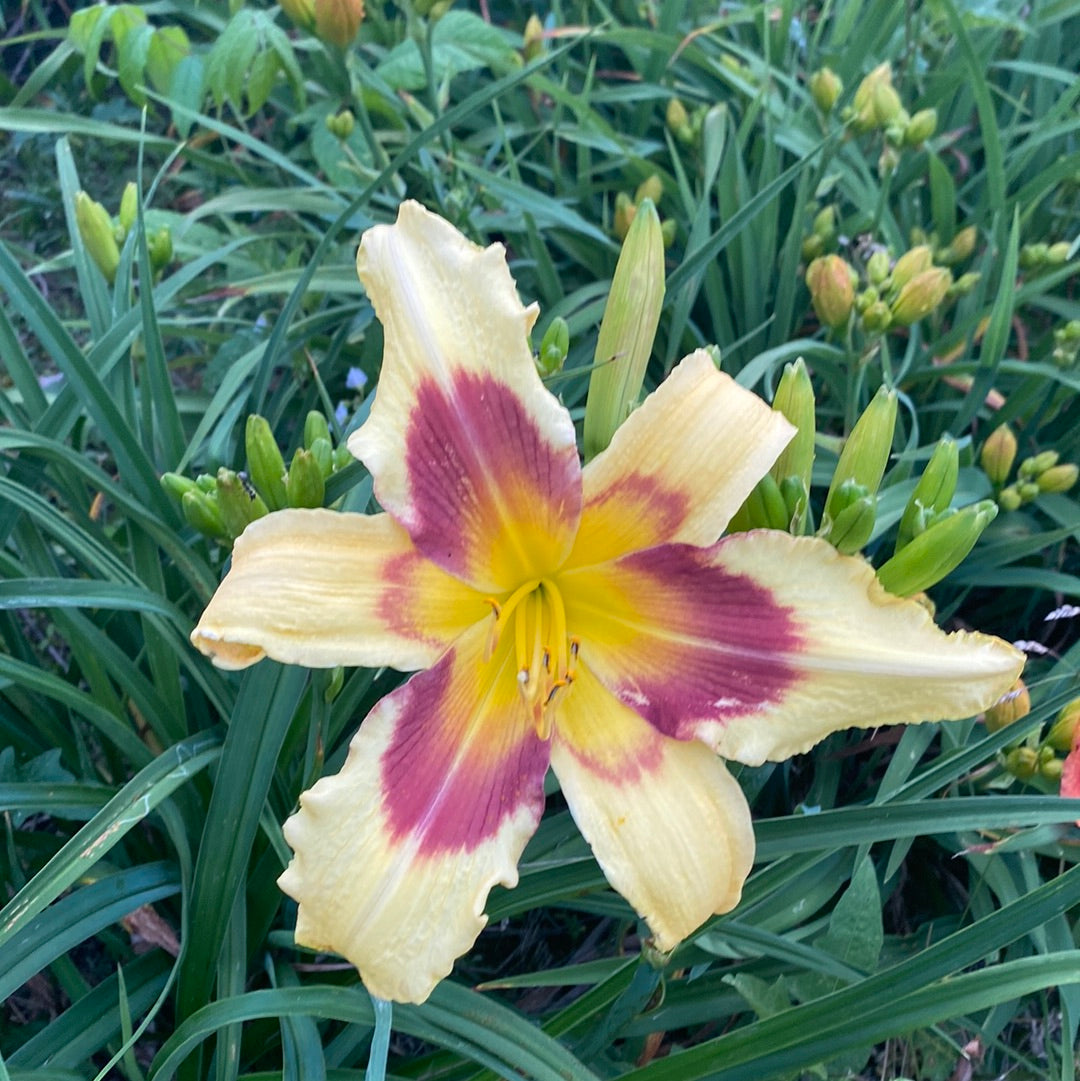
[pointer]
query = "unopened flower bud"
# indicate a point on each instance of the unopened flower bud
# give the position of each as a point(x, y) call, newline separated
point(965, 284)
point(1028, 490)
point(876, 102)
point(963, 244)
point(853, 526)
point(304, 484)
point(825, 88)
point(96, 231)
point(337, 21)
point(323, 452)
point(1030, 468)
point(301, 12)
point(669, 229)
point(1067, 344)
point(553, 347)
point(129, 206)
point(627, 330)
point(1009, 499)
point(676, 117)
point(912, 262)
point(920, 127)
point(1058, 478)
point(160, 248)
point(624, 214)
point(812, 246)
point(938, 551)
point(1063, 732)
point(794, 400)
point(934, 491)
point(238, 502)
point(1051, 769)
point(1058, 253)
point(876, 317)
point(652, 187)
point(206, 482)
point(202, 513)
point(867, 297)
point(341, 124)
point(888, 161)
point(832, 289)
point(866, 451)
point(533, 38)
point(1022, 762)
point(920, 296)
point(797, 500)
point(765, 506)
point(316, 426)
point(266, 467)
point(176, 485)
point(825, 222)
point(1014, 704)
point(998, 454)
point(877, 267)
point(1033, 255)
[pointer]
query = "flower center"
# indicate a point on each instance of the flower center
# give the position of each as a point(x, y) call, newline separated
point(544, 654)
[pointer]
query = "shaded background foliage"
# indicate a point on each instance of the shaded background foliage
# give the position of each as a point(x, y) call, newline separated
point(913, 910)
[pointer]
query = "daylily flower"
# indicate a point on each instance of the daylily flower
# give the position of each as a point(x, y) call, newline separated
point(585, 619)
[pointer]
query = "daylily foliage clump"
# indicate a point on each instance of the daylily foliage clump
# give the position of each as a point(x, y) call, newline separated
point(590, 620)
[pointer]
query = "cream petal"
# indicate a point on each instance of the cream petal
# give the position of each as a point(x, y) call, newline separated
point(395, 855)
point(764, 644)
point(468, 450)
point(669, 825)
point(680, 466)
point(318, 588)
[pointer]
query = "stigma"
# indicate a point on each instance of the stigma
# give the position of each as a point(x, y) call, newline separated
point(545, 656)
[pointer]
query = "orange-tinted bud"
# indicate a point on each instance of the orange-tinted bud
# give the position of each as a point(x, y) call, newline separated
point(832, 289)
point(337, 21)
point(1008, 709)
point(1062, 734)
point(998, 454)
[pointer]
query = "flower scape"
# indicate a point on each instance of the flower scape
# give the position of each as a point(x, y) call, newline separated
point(592, 620)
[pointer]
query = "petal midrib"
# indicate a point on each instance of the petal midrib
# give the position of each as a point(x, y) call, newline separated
point(932, 667)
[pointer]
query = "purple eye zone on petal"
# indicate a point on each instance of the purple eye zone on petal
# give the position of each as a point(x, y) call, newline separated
point(732, 646)
point(473, 455)
point(449, 793)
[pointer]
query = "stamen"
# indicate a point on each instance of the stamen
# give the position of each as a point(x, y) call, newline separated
point(558, 621)
point(521, 656)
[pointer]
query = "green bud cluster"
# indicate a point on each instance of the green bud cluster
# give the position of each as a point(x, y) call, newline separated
point(1043, 256)
point(626, 208)
point(1067, 344)
point(1043, 472)
point(685, 126)
point(222, 505)
point(341, 124)
point(103, 235)
point(1036, 759)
